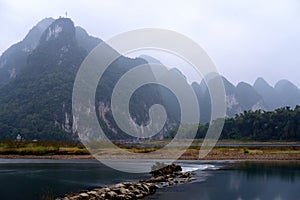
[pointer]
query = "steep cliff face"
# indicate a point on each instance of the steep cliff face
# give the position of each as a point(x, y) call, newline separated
point(140, 102)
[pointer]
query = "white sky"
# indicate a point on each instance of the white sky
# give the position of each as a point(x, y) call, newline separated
point(245, 38)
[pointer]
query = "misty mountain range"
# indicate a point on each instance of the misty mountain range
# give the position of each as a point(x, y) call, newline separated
point(37, 76)
point(244, 96)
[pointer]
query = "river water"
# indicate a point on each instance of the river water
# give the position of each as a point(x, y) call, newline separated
point(32, 178)
point(242, 181)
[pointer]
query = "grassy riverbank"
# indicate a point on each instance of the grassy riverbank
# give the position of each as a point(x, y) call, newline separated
point(225, 150)
point(41, 148)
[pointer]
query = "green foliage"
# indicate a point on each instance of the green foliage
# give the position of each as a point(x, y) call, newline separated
point(281, 124)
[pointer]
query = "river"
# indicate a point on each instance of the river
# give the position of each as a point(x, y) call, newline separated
point(32, 178)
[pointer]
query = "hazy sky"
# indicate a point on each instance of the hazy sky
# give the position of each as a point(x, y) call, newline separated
point(245, 38)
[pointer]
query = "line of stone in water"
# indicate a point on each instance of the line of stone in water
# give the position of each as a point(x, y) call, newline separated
point(164, 177)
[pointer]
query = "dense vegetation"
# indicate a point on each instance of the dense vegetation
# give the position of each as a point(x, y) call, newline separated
point(281, 124)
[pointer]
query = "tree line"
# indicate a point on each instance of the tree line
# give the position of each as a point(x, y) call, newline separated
point(281, 124)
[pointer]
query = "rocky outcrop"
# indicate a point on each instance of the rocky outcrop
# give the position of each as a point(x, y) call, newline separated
point(169, 169)
point(164, 177)
point(120, 191)
point(168, 176)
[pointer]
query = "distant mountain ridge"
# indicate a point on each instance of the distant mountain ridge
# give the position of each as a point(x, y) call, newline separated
point(261, 95)
point(37, 76)
point(13, 59)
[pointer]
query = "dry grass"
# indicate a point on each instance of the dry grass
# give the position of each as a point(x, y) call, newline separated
point(106, 151)
point(41, 148)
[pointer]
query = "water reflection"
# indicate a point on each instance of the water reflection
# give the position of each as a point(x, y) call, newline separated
point(286, 171)
point(249, 180)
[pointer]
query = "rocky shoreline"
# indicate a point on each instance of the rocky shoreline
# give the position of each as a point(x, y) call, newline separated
point(167, 176)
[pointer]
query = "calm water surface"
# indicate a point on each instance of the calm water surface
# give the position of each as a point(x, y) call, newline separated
point(253, 181)
point(30, 179)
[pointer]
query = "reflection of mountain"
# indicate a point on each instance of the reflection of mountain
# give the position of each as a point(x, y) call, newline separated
point(37, 75)
point(272, 169)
